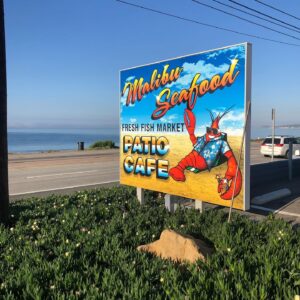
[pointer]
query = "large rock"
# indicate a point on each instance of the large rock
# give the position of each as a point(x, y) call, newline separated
point(178, 247)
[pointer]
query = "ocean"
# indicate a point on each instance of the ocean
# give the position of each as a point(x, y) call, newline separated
point(22, 141)
point(25, 141)
point(263, 132)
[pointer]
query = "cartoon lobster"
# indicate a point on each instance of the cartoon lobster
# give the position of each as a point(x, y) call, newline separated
point(210, 150)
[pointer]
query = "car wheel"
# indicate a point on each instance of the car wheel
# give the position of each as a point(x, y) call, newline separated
point(287, 154)
point(266, 155)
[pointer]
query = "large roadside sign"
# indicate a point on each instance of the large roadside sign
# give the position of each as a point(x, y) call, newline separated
point(182, 122)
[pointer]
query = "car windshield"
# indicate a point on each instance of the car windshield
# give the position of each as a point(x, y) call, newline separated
point(269, 141)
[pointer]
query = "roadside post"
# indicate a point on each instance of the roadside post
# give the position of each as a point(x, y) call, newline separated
point(4, 198)
point(171, 202)
point(140, 193)
point(199, 205)
point(290, 158)
point(80, 146)
point(273, 132)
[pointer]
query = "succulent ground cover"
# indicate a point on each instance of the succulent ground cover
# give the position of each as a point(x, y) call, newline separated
point(103, 145)
point(83, 246)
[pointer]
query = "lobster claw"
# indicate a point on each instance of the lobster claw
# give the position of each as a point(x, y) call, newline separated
point(227, 189)
point(223, 184)
point(189, 120)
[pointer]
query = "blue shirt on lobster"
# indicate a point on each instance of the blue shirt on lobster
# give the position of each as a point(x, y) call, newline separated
point(212, 151)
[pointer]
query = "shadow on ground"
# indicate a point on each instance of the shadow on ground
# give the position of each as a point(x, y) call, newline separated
point(272, 176)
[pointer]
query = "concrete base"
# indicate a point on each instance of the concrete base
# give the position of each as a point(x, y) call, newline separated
point(199, 205)
point(171, 202)
point(140, 193)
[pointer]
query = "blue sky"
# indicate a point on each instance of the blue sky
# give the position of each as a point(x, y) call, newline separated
point(64, 57)
point(207, 64)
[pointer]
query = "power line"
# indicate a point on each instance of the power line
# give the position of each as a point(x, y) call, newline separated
point(253, 15)
point(247, 20)
point(261, 13)
point(283, 12)
point(205, 24)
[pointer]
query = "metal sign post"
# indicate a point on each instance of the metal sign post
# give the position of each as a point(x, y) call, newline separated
point(273, 132)
point(171, 202)
point(199, 205)
point(4, 198)
point(140, 193)
point(290, 157)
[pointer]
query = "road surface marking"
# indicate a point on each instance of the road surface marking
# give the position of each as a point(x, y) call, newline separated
point(64, 188)
point(276, 211)
point(61, 174)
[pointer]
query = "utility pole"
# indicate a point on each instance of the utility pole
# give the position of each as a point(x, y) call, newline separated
point(273, 131)
point(4, 198)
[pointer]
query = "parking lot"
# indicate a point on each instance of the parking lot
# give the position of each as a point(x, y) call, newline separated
point(274, 179)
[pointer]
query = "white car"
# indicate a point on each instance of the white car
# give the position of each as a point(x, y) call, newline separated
point(281, 145)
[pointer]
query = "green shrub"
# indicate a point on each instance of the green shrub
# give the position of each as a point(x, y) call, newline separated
point(83, 246)
point(103, 145)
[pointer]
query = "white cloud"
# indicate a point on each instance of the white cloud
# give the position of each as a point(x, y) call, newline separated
point(232, 131)
point(130, 78)
point(201, 130)
point(237, 52)
point(124, 98)
point(232, 123)
point(191, 69)
point(234, 116)
point(206, 70)
point(212, 55)
point(169, 119)
point(133, 120)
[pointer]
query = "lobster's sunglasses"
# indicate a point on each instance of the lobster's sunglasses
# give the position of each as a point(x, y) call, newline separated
point(212, 130)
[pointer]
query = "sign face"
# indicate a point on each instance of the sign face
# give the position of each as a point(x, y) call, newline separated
point(182, 123)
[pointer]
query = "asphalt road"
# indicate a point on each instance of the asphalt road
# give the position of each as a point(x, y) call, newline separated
point(44, 173)
point(257, 158)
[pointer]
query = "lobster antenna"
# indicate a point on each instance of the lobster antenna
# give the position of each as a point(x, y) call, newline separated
point(211, 115)
point(226, 111)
